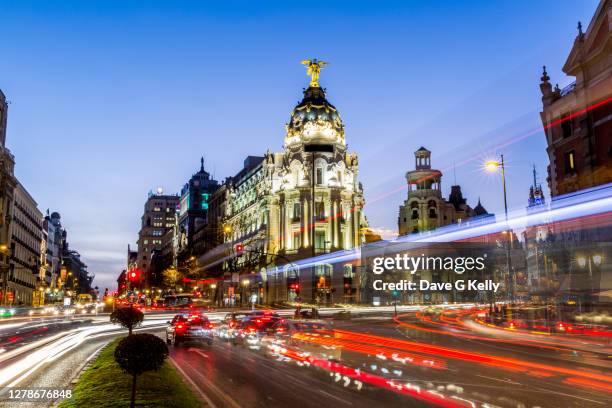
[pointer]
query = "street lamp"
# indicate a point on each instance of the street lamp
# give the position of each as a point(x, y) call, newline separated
point(492, 166)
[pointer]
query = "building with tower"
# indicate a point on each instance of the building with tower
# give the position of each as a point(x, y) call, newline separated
point(303, 201)
point(425, 208)
point(193, 210)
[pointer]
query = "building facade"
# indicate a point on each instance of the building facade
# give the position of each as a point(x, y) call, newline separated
point(193, 211)
point(425, 208)
point(7, 187)
point(158, 218)
point(52, 229)
point(578, 118)
point(25, 249)
point(573, 266)
point(301, 202)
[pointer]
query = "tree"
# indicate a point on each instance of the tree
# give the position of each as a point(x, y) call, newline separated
point(127, 317)
point(171, 277)
point(138, 353)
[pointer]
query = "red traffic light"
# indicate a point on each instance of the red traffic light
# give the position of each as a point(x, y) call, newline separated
point(133, 275)
point(295, 286)
point(239, 248)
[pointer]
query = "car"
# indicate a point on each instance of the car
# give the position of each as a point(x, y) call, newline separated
point(253, 329)
point(186, 327)
point(307, 336)
point(226, 329)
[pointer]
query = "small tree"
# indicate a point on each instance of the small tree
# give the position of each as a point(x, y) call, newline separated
point(127, 317)
point(138, 353)
point(171, 277)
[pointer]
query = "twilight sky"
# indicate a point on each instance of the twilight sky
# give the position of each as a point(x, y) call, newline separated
point(111, 99)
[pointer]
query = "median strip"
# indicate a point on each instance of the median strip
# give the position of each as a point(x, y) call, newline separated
point(103, 383)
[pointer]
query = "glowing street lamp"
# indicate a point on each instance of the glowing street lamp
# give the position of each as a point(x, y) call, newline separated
point(492, 166)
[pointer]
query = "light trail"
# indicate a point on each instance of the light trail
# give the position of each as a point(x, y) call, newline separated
point(511, 364)
point(47, 350)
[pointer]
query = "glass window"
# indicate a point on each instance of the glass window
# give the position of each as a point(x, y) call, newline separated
point(319, 179)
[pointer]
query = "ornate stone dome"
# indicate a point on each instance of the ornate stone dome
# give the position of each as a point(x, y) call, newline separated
point(314, 119)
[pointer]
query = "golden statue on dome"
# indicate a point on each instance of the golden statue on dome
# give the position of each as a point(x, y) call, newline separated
point(314, 70)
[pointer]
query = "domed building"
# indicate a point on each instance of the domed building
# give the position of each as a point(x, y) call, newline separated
point(301, 202)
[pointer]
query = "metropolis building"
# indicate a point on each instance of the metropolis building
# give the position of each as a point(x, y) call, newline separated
point(301, 202)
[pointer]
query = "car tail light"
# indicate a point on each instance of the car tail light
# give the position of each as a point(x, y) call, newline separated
point(251, 330)
point(180, 326)
point(280, 330)
point(210, 325)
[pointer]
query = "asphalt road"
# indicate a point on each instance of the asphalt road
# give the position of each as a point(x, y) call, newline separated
point(235, 376)
point(376, 362)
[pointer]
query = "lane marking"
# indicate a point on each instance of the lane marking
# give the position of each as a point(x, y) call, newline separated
point(327, 394)
point(193, 384)
point(200, 352)
point(228, 401)
point(504, 380)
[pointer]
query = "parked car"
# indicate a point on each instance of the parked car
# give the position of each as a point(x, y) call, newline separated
point(189, 327)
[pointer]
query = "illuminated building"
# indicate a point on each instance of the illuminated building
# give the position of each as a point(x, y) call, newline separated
point(193, 211)
point(425, 208)
point(578, 118)
point(158, 218)
point(26, 240)
point(577, 122)
point(303, 201)
point(7, 186)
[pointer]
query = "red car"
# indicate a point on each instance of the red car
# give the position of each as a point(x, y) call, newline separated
point(189, 327)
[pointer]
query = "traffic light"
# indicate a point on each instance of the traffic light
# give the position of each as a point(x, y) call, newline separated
point(239, 249)
point(133, 275)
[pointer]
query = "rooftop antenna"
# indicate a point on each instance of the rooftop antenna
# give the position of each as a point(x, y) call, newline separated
point(534, 176)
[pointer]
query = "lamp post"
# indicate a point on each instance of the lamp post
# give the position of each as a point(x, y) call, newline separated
point(492, 166)
point(589, 260)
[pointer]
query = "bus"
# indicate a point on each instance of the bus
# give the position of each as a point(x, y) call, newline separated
point(181, 301)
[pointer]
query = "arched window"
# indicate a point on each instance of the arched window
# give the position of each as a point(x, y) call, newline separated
point(431, 205)
point(414, 210)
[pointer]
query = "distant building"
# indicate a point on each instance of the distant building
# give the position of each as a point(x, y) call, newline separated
point(52, 227)
point(578, 118)
point(425, 208)
point(26, 242)
point(193, 210)
point(158, 218)
point(77, 279)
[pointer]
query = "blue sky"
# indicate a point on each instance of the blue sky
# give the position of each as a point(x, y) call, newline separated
point(111, 99)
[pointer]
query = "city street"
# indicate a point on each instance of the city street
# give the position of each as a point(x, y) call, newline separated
point(233, 376)
point(376, 360)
